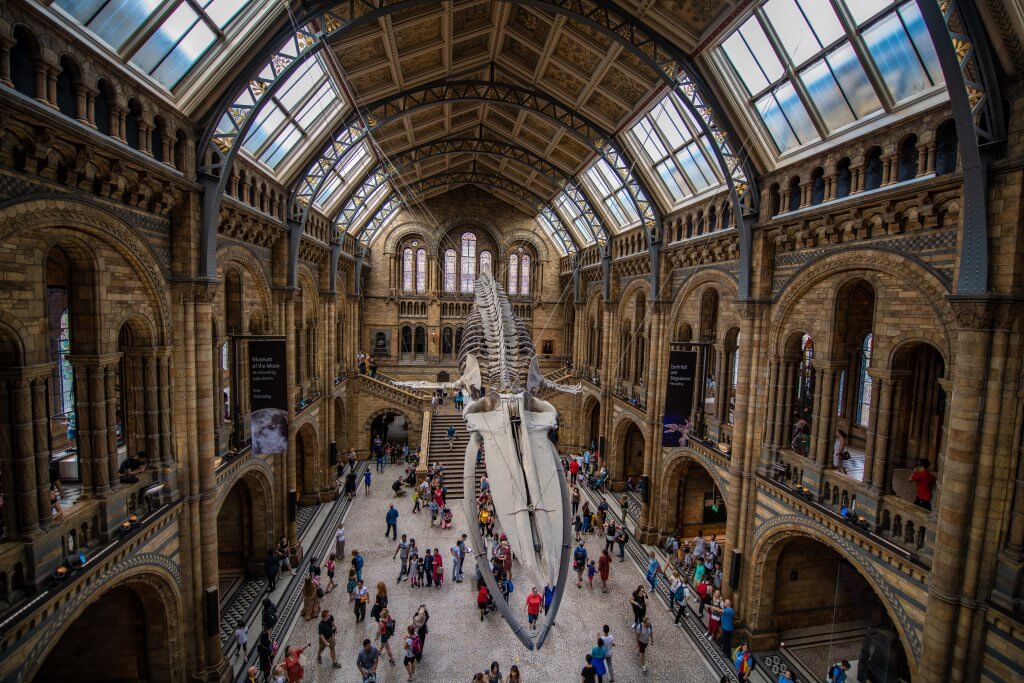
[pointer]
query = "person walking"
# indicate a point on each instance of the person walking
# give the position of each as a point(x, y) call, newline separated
point(265, 652)
point(403, 550)
point(391, 519)
point(272, 568)
point(589, 674)
point(549, 595)
point(325, 637)
point(597, 655)
point(242, 638)
point(483, 599)
point(609, 645)
point(350, 484)
point(638, 601)
point(579, 563)
point(366, 481)
point(362, 596)
point(268, 616)
point(380, 601)
point(604, 567)
point(681, 595)
point(653, 567)
point(339, 541)
point(575, 499)
point(644, 639)
point(331, 566)
point(419, 620)
point(367, 660)
point(533, 602)
point(451, 437)
point(413, 646)
point(386, 629)
point(357, 564)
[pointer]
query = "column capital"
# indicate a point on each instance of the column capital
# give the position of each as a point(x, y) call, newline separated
point(984, 312)
point(99, 360)
point(28, 372)
point(751, 309)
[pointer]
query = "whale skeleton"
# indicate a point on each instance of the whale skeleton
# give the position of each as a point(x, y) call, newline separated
point(500, 378)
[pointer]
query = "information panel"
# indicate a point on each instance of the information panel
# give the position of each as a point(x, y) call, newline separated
point(682, 367)
point(268, 394)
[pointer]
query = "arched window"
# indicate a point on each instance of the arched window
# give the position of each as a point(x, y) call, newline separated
point(817, 186)
point(805, 380)
point(407, 268)
point(864, 380)
point(421, 341)
point(421, 270)
point(65, 375)
point(450, 259)
point(458, 339)
point(468, 262)
point(406, 346)
point(447, 343)
point(908, 160)
point(873, 169)
point(58, 315)
point(843, 178)
point(513, 274)
point(945, 148)
point(524, 276)
point(794, 194)
point(485, 261)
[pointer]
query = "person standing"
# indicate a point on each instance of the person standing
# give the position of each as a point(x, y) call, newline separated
point(419, 620)
point(604, 567)
point(438, 568)
point(574, 472)
point(325, 636)
point(367, 659)
point(638, 601)
point(549, 595)
point(310, 599)
point(597, 654)
point(644, 639)
point(609, 645)
point(391, 519)
point(727, 625)
point(362, 596)
point(272, 567)
point(743, 662)
point(293, 663)
point(339, 542)
point(380, 601)
point(242, 638)
point(839, 453)
point(533, 602)
point(620, 538)
point(653, 566)
point(366, 481)
point(924, 482)
point(265, 651)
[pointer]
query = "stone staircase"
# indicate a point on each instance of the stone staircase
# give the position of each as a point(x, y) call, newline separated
point(454, 459)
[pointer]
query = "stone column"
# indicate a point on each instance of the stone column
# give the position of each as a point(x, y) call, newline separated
point(872, 433)
point(289, 298)
point(880, 480)
point(168, 466)
point(40, 416)
point(24, 458)
point(9, 521)
point(204, 294)
point(110, 392)
point(775, 371)
point(654, 370)
point(152, 410)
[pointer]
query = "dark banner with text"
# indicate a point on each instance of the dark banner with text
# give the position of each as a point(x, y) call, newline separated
point(682, 368)
point(268, 393)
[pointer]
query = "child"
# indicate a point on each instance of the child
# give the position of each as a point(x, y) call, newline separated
point(415, 500)
point(351, 585)
point(433, 511)
point(446, 520)
point(242, 637)
point(591, 570)
point(414, 561)
point(482, 598)
point(421, 569)
point(330, 565)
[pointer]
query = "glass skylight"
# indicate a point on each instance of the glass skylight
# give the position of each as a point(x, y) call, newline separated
point(294, 110)
point(164, 38)
point(553, 226)
point(339, 180)
point(670, 139)
point(806, 78)
point(613, 193)
point(572, 216)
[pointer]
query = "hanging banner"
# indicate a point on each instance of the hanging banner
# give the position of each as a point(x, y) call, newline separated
point(268, 393)
point(682, 367)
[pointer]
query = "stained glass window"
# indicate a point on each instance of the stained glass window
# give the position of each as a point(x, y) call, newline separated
point(513, 274)
point(450, 261)
point(524, 276)
point(407, 267)
point(864, 381)
point(468, 262)
point(66, 373)
point(421, 270)
point(804, 77)
point(485, 261)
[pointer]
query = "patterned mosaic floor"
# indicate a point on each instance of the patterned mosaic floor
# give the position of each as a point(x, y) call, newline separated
point(459, 644)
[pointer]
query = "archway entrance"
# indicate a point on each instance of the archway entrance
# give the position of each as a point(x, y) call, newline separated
point(631, 449)
point(823, 610)
point(593, 425)
point(391, 428)
point(699, 504)
point(124, 632)
point(305, 464)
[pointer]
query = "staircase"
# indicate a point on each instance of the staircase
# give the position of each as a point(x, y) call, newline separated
point(453, 460)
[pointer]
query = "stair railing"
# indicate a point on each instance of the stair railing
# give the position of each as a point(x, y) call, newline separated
point(423, 466)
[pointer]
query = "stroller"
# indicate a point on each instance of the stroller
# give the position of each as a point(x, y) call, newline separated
point(597, 481)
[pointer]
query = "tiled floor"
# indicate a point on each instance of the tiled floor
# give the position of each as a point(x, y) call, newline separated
point(459, 644)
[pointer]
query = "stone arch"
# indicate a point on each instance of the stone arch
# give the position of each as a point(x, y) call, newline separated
point(622, 462)
point(12, 336)
point(368, 424)
point(54, 220)
point(684, 478)
point(770, 540)
point(154, 581)
point(410, 229)
point(243, 257)
point(244, 523)
point(906, 269)
point(307, 469)
point(340, 428)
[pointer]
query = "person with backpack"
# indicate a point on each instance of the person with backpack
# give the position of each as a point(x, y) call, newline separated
point(837, 672)
point(386, 629)
point(483, 597)
point(579, 563)
point(413, 649)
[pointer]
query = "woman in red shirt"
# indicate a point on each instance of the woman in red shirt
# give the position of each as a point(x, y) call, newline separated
point(604, 565)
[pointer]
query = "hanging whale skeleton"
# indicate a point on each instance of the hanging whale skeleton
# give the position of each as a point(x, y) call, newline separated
point(500, 379)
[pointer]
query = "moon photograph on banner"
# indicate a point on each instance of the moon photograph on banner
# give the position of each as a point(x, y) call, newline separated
point(268, 394)
point(682, 367)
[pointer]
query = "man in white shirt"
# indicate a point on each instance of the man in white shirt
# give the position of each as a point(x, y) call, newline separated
point(609, 644)
point(339, 543)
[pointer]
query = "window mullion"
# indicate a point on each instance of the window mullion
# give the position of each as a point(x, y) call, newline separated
point(794, 79)
point(145, 32)
point(206, 20)
point(864, 55)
